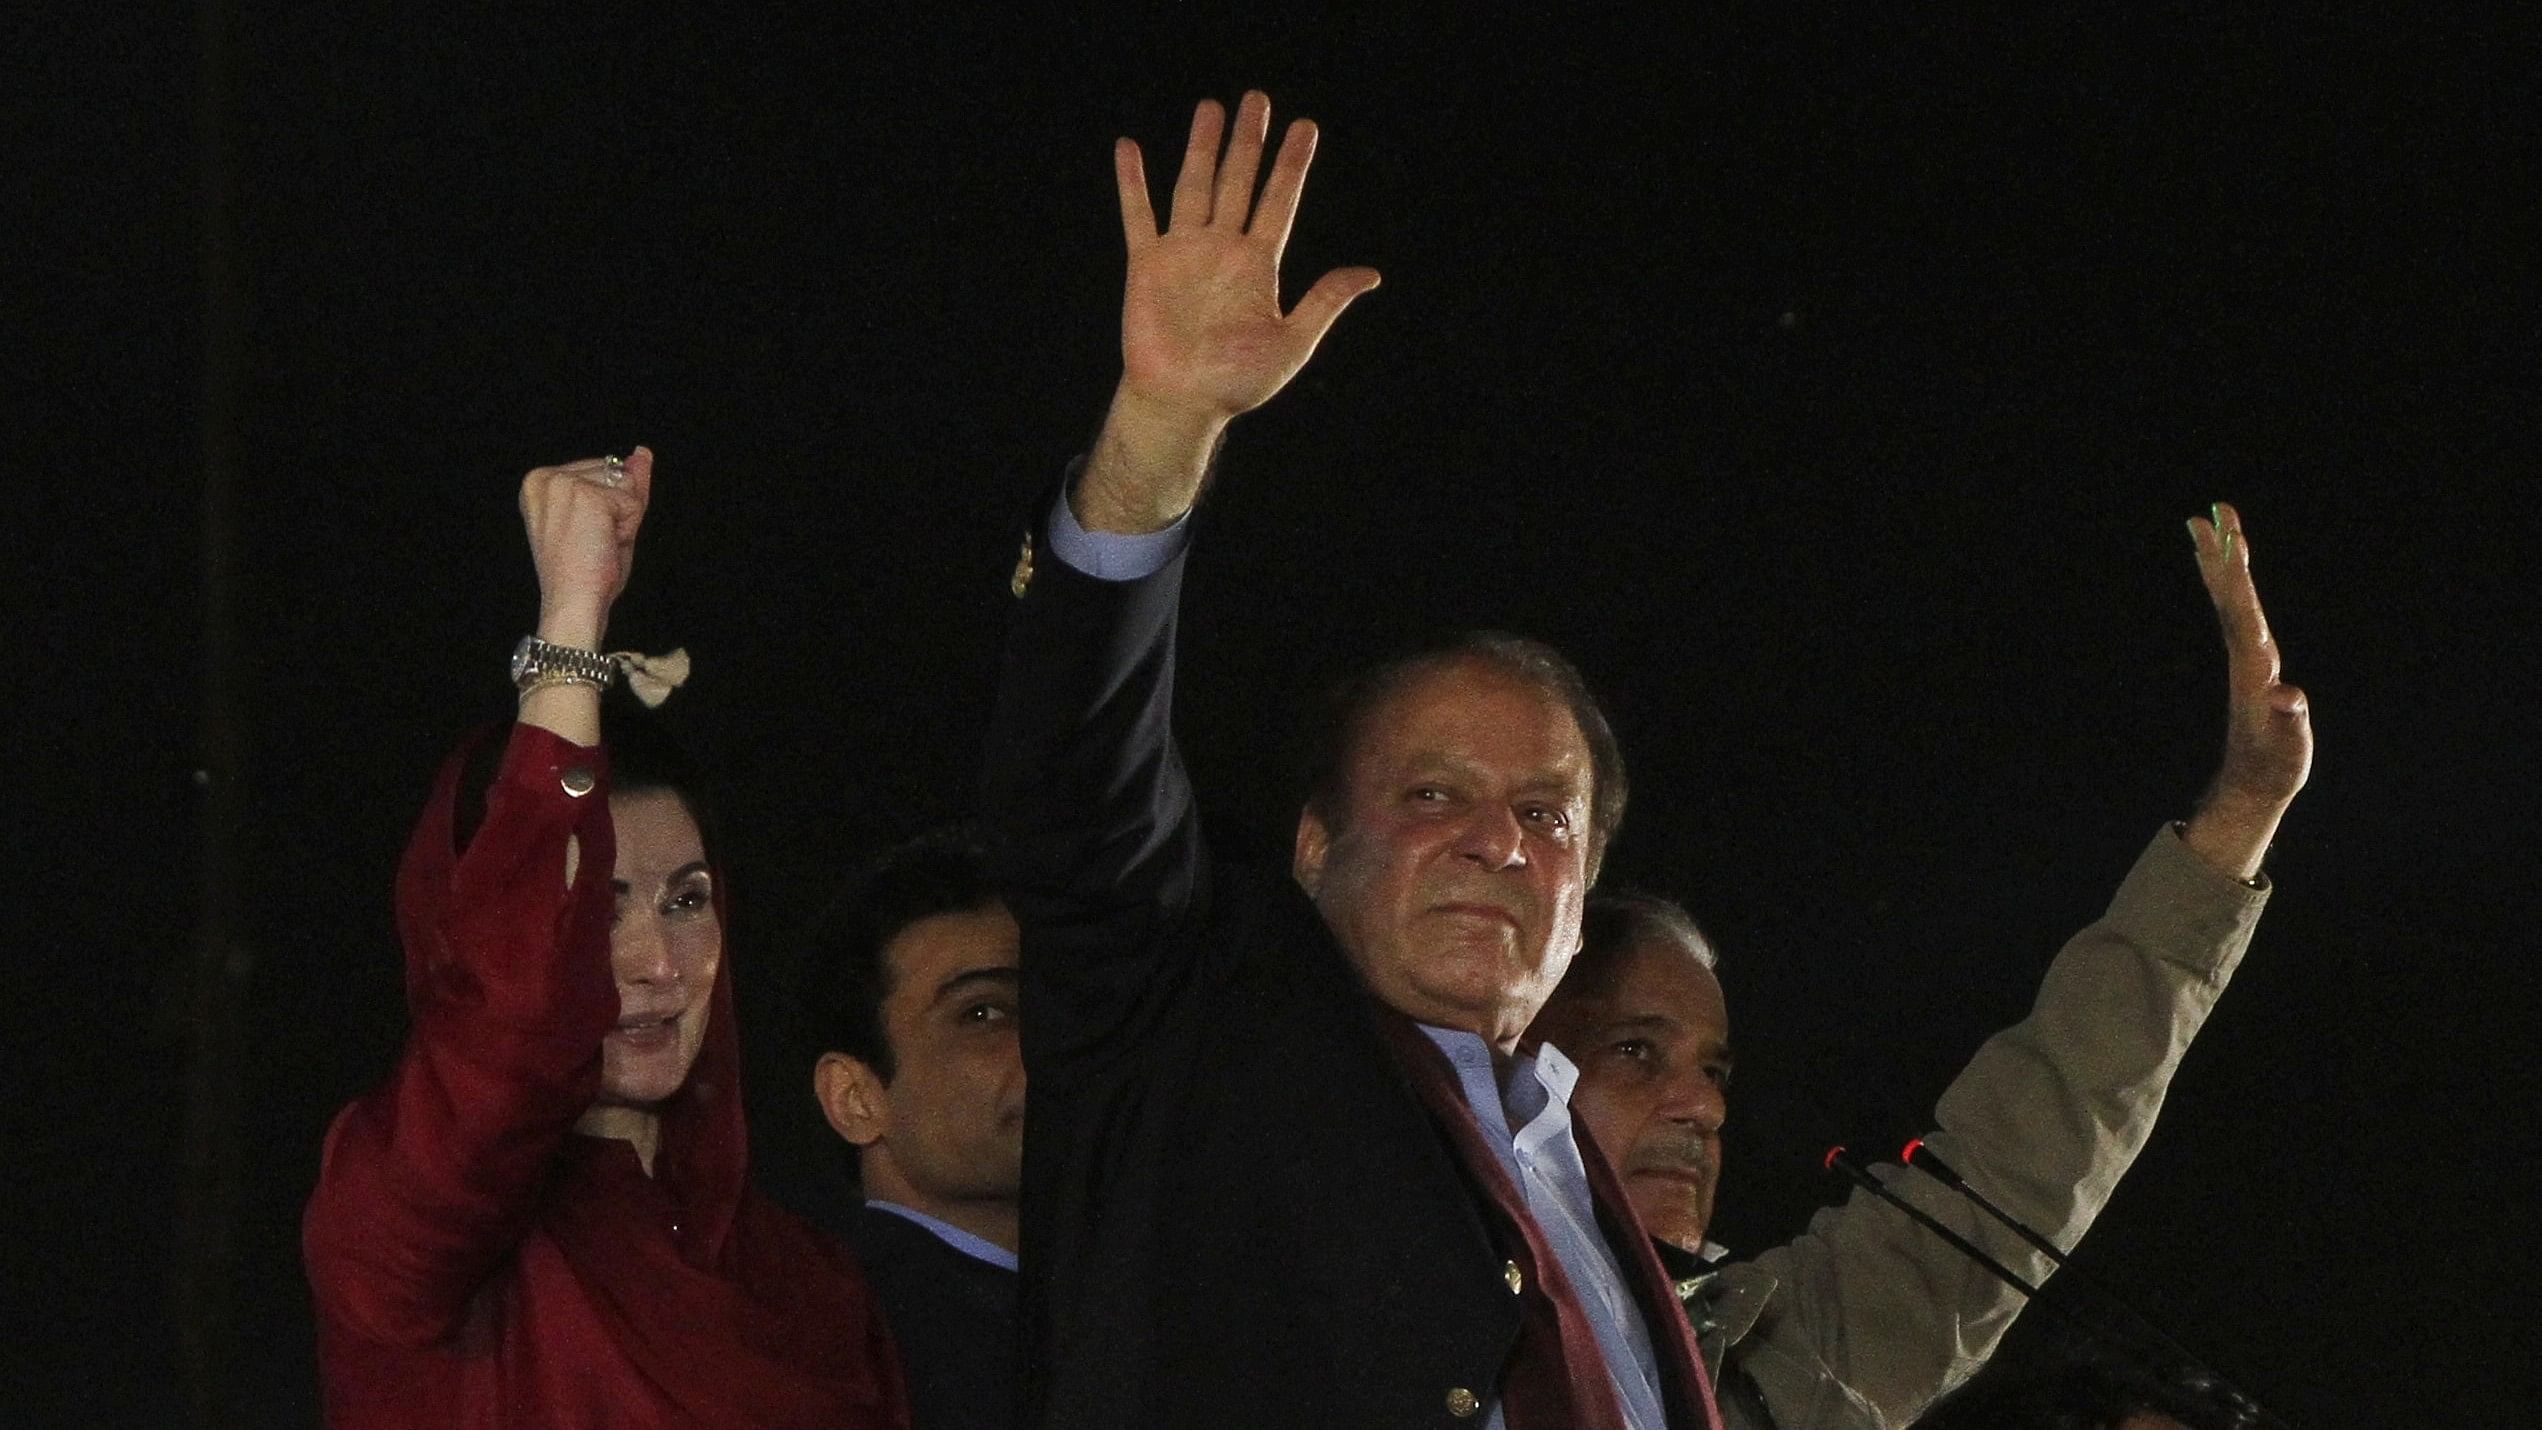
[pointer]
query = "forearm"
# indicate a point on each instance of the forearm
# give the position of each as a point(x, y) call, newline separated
point(427, 1182)
point(2045, 1119)
point(2060, 1103)
point(1083, 783)
point(1148, 464)
point(426, 1185)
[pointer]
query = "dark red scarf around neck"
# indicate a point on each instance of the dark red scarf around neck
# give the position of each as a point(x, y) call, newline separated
point(1557, 1377)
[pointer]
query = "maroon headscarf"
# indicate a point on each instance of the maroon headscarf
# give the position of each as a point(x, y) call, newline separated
point(682, 1297)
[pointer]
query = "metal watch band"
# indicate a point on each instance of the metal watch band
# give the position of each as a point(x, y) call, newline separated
point(536, 662)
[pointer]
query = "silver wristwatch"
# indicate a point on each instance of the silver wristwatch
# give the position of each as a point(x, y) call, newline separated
point(536, 662)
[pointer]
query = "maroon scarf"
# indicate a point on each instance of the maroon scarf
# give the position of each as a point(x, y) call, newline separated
point(1557, 1378)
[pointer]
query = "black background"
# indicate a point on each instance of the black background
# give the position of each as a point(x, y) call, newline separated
point(1830, 383)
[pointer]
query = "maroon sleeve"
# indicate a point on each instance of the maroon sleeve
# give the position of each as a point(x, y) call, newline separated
point(427, 1184)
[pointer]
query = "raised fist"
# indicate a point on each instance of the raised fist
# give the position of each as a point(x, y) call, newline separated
point(582, 520)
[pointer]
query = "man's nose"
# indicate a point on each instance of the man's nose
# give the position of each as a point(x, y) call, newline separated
point(1494, 838)
point(1698, 1101)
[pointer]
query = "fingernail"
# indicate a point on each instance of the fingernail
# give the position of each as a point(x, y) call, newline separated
point(2192, 525)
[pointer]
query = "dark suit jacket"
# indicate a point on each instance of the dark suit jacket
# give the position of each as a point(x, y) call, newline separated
point(1237, 1210)
point(953, 1317)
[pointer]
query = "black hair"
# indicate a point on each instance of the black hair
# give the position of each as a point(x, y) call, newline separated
point(1333, 734)
point(845, 974)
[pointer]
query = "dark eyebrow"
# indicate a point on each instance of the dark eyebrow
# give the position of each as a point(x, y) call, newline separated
point(1639, 1022)
point(1553, 782)
point(1717, 1050)
point(1005, 977)
point(685, 871)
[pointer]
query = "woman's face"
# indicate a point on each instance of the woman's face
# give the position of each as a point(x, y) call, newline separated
point(665, 946)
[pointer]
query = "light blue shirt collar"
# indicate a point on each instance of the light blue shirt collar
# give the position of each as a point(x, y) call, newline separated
point(1525, 1089)
point(977, 1248)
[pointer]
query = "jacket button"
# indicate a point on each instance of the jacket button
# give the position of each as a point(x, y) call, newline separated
point(1516, 1278)
point(577, 781)
point(1022, 580)
point(1461, 1402)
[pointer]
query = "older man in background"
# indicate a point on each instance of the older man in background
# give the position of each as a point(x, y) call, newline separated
point(1867, 1318)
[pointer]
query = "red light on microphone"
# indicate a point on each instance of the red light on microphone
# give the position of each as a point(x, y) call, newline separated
point(1907, 1153)
point(1829, 1162)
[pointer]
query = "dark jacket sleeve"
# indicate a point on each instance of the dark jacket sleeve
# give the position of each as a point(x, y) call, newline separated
point(1097, 844)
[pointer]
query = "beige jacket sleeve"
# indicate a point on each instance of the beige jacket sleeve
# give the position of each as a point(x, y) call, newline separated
point(1872, 1317)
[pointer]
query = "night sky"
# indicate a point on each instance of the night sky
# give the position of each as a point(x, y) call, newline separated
point(1830, 384)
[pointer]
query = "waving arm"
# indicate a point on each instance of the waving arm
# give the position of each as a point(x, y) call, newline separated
point(1203, 339)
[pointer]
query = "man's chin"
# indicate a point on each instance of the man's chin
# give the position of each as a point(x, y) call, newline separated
point(1683, 1232)
point(1671, 1210)
point(1475, 982)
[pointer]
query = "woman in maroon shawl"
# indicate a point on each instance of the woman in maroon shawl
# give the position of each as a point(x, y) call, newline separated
point(541, 1218)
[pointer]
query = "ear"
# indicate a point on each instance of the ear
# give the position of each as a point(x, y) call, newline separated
point(854, 1100)
point(1306, 859)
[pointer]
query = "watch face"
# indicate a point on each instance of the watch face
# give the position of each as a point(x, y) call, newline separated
point(521, 658)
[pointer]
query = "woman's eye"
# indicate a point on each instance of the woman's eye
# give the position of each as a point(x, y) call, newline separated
point(690, 898)
point(1637, 1049)
point(986, 1013)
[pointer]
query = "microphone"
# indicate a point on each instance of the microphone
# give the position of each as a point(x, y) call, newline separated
point(1930, 1162)
point(1916, 1154)
point(1837, 1161)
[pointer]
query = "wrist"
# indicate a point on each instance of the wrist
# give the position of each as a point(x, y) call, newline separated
point(1160, 419)
point(2232, 831)
point(560, 687)
point(2243, 807)
point(1148, 465)
point(579, 624)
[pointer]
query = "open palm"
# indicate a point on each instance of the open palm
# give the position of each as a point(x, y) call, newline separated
point(2268, 745)
point(1201, 326)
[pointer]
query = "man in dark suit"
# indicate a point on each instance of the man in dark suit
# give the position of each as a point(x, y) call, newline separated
point(1287, 1165)
point(912, 984)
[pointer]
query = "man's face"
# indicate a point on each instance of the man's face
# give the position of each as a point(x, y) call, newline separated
point(1654, 1058)
point(1455, 881)
point(956, 1098)
point(665, 947)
